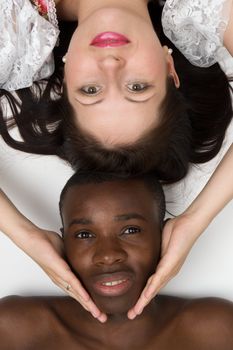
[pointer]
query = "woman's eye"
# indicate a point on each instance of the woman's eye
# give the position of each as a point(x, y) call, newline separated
point(137, 87)
point(90, 90)
point(131, 230)
point(84, 235)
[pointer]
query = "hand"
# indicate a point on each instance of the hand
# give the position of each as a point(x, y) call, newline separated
point(178, 237)
point(46, 248)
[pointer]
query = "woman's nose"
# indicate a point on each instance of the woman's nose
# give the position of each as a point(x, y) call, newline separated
point(109, 252)
point(112, 62)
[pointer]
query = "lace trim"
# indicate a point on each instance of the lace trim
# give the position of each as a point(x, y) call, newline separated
point(196, 28)
point(47, 9)
point(27, 39)
point(52, 13)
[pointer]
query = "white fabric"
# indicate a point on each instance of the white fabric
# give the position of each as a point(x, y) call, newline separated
point(196, 27)
point(26, 44)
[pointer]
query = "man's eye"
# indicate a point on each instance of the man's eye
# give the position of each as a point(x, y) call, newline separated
point(91, 90)
point(84, 235)
point(131, 230)
point(137, 87)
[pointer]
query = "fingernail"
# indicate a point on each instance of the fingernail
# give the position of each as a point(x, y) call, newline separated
point(102, 318)
point(132, 316)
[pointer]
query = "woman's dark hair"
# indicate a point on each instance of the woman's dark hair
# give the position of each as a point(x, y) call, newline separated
point(193, 124)
point(86, 153)
point(208, 94)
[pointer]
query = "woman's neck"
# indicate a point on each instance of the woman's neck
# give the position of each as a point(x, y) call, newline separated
point(79, 10)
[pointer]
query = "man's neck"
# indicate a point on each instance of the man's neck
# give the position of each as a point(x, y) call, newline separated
point(118, 328)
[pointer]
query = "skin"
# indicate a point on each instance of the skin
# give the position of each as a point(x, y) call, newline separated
point(46, 248)
point(101, 236)
point(216, 194)
point(106, 84)
point(228, 42)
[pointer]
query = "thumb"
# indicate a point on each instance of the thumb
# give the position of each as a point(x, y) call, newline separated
point(166, 236)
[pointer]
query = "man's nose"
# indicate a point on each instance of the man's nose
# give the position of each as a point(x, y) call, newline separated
point(109, 252)
point(112, 62)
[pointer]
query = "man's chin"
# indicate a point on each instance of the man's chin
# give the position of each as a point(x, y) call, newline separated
point(116, 305)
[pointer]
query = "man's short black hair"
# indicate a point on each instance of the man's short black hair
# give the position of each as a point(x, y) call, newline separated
point(150, 180)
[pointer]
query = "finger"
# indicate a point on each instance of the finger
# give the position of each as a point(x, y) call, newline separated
point(138, 308)
point(68, 278)
point(77, 289)
point(68, 288)
point(141, 303)
point(166, 237)
point(161, 277)
point(102, 318)
point(91, 307)
point(154, 284)
point(88, 305)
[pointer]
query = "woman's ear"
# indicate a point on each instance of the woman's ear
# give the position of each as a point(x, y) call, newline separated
point(171, 66)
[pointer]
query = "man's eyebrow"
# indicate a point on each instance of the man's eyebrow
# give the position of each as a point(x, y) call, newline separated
point(129, 216)
point(122, 217)
point(80, 221)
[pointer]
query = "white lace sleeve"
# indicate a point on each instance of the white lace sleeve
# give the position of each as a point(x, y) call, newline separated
point(196, 27)
point(26, 44)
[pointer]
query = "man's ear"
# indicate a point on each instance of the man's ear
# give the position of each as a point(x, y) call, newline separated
point(62, 232)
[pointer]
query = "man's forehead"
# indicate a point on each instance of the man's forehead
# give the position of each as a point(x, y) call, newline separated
point(129, 196)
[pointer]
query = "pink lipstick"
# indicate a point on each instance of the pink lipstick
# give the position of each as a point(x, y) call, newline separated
point(109, 39)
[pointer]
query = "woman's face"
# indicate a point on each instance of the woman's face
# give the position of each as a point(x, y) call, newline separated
point(116, 89)
point(112, 240)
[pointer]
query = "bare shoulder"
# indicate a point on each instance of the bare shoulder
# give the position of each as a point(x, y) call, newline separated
point(22, 320)
point(207, 324)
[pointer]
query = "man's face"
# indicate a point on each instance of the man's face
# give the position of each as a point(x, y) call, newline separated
point(112, 240)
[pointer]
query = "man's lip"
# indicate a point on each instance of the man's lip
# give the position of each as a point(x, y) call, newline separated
point(109, 39)
point(113, 284)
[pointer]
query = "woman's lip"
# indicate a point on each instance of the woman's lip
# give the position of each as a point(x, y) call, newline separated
point(115, 284)
point(109, 39)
